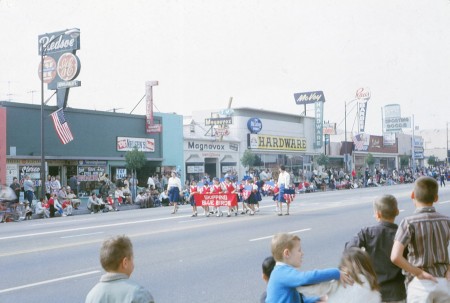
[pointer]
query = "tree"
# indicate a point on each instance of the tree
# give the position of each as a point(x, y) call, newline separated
point(404, 161)
point(249, 159)
point(370, 160)
point(323, 160)
point(432, 160)
point(134, 159)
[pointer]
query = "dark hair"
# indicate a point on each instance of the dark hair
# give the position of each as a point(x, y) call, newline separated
point(268, 265)
point(387, 206)
point(282, 167)
point(426, 190)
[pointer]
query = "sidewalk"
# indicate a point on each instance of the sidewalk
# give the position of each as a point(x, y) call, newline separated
point(82, 210)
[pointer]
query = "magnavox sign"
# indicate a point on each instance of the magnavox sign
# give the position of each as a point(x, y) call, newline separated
point(309, 97)
point(209, 146)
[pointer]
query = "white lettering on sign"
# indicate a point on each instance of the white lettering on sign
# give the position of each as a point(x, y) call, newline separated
point(314, 97)
point(362, 116)
point(58, 44)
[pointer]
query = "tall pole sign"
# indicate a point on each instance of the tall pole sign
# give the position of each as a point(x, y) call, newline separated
point(59, 65)
point(318, 98)
point(150, 126)
point(363, 96)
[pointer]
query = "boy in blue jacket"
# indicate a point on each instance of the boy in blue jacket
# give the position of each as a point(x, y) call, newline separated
point(285, 277)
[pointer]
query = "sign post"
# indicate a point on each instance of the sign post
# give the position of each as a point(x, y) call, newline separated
point(318, 99)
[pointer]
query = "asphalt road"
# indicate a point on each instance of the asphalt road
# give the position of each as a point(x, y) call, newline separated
point(180, 258)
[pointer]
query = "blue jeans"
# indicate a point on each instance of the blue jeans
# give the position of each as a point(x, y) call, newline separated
point(29, 196)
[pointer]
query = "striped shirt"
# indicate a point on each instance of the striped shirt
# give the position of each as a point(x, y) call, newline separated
point(426, 234)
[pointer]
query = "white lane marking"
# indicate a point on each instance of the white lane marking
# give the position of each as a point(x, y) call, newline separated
point(47, 221)
point(443, 202)
point(49, 281)
point(401, 210)
point(92, 227)
point(193, 220)
point(291, 232)
point(82, 235)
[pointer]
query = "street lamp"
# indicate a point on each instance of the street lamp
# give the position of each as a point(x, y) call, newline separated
point(345, 117)
point(446, 152)
point(346, 151)
point(73, 32)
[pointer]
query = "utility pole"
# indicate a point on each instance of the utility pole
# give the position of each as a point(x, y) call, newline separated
point(446, 156)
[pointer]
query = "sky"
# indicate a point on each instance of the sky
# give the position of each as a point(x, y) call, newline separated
point(259, 52)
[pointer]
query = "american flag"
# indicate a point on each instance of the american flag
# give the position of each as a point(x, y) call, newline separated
point(61, 126)
point(289, 195)
point(268, 186)
point(360, 142)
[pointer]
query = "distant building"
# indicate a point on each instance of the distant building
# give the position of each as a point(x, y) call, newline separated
point(101, 140)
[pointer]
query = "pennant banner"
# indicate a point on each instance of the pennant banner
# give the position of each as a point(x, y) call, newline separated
point(215, 199)
point(61, 126)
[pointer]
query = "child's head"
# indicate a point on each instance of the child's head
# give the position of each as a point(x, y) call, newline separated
point(116, 255)
point(425, 190)
point(286, 248)
point(267, 267)
point(355, 262)
point(386, 207)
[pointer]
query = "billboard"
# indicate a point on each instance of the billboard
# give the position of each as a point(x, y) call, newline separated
point(396, 124)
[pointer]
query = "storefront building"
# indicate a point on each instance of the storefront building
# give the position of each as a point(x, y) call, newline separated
point(215, 142)
point(101, 140)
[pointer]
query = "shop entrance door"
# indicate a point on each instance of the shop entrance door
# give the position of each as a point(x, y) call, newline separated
point(211, 167)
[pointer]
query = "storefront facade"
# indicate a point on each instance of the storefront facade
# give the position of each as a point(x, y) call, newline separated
point(276, 138)
point(101, 140)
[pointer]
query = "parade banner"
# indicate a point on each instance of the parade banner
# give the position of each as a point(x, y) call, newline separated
point(215, 199)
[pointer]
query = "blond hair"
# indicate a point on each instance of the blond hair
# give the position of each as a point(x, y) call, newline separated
point(387, 205)
point(282, 241)
point(114, 250)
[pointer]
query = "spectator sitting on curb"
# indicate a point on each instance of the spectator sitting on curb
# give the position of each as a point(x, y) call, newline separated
point(110, 204)
point(118, 196)
point(164, 198)
point(140, 198)
point(67, 207)
point(54, 205)
point(41, 210)
point(73, 198)
point(93, 204)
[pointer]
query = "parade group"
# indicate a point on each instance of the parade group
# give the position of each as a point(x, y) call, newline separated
point(210, 196)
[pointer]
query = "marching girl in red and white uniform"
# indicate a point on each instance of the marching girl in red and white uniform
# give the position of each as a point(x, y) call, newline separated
point(230, 188)
point(193, 190)
point(204, 189)
point(276, 192)
point(249, 193)
point(216, 188)
point(240, 189)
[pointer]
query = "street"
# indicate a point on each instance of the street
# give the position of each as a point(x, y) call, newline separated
point(180, 258)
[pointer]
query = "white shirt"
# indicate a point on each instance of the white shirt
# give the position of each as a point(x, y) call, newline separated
point(174, 182)
point(150, 182)
point(284, 178)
